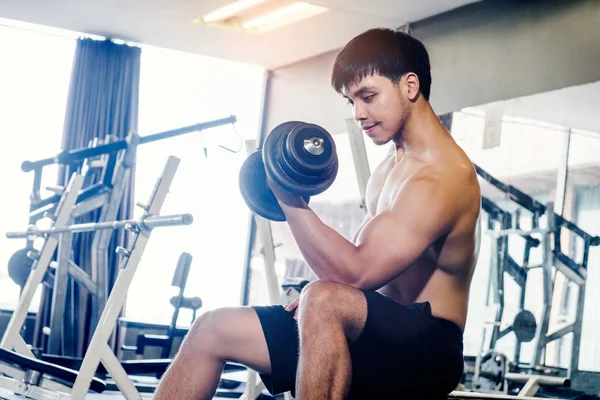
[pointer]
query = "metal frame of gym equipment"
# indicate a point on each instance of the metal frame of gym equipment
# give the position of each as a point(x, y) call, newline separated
point(108, 194)
point(554, 260)
point(92, 196)
point(50, 381)
point(109, 201)
point(502, 262)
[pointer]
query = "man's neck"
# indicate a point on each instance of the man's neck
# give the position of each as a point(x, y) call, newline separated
point(421, 132)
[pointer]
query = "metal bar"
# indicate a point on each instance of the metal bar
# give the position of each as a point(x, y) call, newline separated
point(262, 134)
point(72, 156)
point(247, 271)
point(117, 372)
point(548, 290)
point(560, 221)
point(361, 159)
point(485, 396)
point(187, 129)
point(59, 295)
point(577, 326)
point(561, 178)
point(565, 330)
point(81, 277)
point(542, 379)
point(565, 265)
point(516, 195)
point(27, 166)
point(90, 205)
point(507, 232)
point(517, 272)
point(145, 223)
point(505, 332)
point(101, 241)
point(266, 239)
point(40, 266)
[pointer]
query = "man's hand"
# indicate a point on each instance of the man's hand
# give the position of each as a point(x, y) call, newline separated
point(285, 197)
point(293, 306)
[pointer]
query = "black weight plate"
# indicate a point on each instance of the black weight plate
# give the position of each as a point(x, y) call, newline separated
point(19, 267)
point(303, 161)
point(256, 193)
point(525, 326)
point(287, 176)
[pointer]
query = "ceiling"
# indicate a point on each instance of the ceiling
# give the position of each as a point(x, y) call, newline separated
point(167, 24)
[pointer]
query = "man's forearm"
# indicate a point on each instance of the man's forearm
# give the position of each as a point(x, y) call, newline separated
point(331, 256)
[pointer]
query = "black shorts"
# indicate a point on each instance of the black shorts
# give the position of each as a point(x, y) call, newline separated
point(403, 351)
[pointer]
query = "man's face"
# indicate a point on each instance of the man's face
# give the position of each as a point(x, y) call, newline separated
point(379, 107)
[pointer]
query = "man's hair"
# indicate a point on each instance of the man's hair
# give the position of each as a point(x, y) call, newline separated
point(387, 52)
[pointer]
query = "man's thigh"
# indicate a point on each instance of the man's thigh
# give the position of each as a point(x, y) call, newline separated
point(233, 334)
point(404, 351)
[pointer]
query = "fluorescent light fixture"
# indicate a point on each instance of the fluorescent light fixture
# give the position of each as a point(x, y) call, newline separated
point(230, 10)
point(283, 16)
point(260, 16)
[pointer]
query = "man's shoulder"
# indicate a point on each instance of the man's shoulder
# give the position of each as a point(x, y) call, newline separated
point(453, 189)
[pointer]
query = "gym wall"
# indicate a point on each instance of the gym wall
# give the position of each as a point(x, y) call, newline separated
point(480, 53)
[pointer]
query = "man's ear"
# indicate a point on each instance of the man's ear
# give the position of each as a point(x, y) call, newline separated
point(412, 86)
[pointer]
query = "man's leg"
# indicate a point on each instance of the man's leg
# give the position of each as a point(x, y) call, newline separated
point(228, 334)
point(330, 317)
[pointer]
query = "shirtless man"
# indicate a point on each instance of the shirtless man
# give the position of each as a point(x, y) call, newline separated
point(387, 315)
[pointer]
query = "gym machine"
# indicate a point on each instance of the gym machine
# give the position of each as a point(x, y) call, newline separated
point(102, 183)
point(501, 262)
point(116, 159)
point(553, 258)
point(36, 379)
point(165, 342)
point(493, 370)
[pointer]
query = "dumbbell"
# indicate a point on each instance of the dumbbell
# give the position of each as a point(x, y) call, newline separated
point(299, 157)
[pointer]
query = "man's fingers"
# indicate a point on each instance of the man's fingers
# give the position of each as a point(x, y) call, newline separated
point(293, 305)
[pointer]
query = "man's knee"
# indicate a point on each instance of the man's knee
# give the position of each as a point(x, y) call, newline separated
point(325, 298)
point(328, 301)
point(208, 332)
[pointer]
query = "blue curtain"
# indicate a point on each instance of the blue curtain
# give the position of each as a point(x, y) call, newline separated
point(103, 99)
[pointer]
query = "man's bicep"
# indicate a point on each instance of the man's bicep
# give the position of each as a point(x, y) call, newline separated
point(364, 222)
point(394, 239)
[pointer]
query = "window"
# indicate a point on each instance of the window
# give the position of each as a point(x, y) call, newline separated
point(34, 81)
point(178, 90)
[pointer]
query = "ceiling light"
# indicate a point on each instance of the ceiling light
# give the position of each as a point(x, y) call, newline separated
point(230, 10)
point(260, 16)
point(283, 16)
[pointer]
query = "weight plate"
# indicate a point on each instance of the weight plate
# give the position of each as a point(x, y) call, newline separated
point(299, 173)
point(255, 191)
point(19, 267)
point(525, 326)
